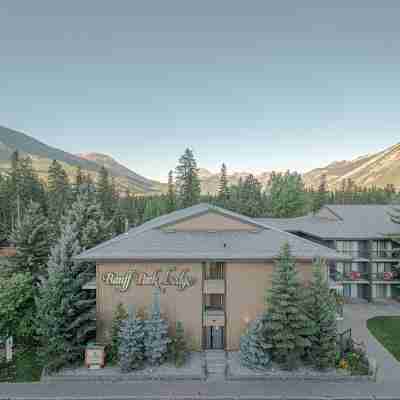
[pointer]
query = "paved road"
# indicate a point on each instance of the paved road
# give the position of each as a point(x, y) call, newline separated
point(200, 390)
point(355, 317)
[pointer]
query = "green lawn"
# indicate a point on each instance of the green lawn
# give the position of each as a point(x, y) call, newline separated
point(387, 332)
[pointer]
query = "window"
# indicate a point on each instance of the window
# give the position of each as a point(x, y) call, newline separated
point(214, 270)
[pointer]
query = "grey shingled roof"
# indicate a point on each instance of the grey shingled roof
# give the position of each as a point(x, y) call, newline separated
point(352, 222)
point(147, 242)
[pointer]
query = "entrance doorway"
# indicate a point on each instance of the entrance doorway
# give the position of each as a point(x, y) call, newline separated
point(214, 338)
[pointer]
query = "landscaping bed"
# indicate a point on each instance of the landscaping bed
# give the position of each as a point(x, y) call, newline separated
point(193, 369)
point(386, 330)
point(237, 371)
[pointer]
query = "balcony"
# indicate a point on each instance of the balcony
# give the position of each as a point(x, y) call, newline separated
point(355, 276)
point(214, 286)
point(386, 254)
point(213, 316)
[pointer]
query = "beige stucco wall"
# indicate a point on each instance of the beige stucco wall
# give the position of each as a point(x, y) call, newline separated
point(246, 286)
point(212, 221)
point(185, 306)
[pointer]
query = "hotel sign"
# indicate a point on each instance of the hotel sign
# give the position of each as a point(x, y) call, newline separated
point(160, 279)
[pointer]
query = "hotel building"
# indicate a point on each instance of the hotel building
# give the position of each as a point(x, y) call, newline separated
point(213, 267)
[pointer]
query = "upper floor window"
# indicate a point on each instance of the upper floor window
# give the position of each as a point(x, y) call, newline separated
point(214, 270)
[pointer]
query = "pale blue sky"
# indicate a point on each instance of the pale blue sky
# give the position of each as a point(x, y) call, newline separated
point(259, 85)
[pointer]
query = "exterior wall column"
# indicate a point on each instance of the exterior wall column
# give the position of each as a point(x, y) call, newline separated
point(389, 291)
point(373, 291)
point(354, 290)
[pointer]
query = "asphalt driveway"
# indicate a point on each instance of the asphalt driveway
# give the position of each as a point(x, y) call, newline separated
point(355, 317)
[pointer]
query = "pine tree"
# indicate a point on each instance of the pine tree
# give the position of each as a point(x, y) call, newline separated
point(59, 191)
point(289, 325)
point(223, 189)
point(187, 180)
point(105, 193)
point(66, 313)
point(156, 333)
point(32, 240)
point(320, 197)
point(131, 343)
point(89, 219)
point(320, 308)
point(120, 315)
point(255, 343)
point(171, 195)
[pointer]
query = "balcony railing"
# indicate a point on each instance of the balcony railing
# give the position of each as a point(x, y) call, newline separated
point(364, 276)
point(372, 254)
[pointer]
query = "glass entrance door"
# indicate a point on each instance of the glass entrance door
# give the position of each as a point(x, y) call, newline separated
point(214, 339)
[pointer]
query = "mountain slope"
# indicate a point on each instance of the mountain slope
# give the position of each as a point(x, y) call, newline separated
point(377, 169)
point(42, 155)
point(210, 181)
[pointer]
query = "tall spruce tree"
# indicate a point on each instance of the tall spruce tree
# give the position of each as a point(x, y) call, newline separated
point(289, 325)
point(156, 333)
point(321, 196)
point(32, 239)
point(223, 187)
point(320, 308)
point(187, 180)
point(59, 191)
point(105, 193)
point(89, 219)
point(171, 195)
point(66, 313)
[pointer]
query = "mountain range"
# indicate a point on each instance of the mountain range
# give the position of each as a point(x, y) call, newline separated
point(377, 169)
point(42, 155)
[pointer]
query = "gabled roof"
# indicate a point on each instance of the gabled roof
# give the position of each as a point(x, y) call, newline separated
point(149, 242)
point(352, 222)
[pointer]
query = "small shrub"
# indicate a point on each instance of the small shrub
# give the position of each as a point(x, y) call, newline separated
point(131, 344)
point(255, 344)
point(156, 334)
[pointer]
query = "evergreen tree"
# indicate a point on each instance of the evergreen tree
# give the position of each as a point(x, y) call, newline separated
point(286, 195)
point(255, 343)
point(89, 219)
point(66, 313)
point(131, 343)
point(59, 191)
point(320, 196)
point(289, 325)
point(223, 188)
point(156, 333)
point(187, 180)
point(320, 307)
point(105, 193)
point(32, 240)
point(171, 195)
point(120, 315)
